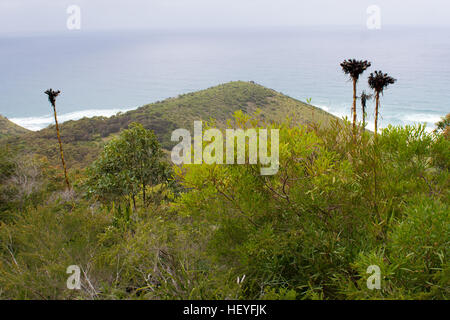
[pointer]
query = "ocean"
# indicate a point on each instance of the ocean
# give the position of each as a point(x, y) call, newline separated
point(101, 73)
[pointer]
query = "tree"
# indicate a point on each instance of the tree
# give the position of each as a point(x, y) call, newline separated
point(354, 68)
point(364, 98)
point(52, 98)
point(128, 164)
point(379, 81)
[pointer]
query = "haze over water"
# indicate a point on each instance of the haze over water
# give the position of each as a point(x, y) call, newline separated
point(103, 73)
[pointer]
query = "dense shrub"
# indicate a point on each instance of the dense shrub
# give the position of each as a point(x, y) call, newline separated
point(336, 207)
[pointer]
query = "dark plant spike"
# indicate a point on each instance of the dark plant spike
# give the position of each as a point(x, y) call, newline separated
point(379, 81)
point(354, 68)
point(364, 98)
point(52, 94)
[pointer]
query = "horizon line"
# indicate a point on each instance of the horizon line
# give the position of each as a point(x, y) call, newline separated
point(218, 29)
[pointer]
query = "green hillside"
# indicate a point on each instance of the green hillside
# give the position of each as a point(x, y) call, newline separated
point(8, 128)
point(83, 138)
point(342, 203)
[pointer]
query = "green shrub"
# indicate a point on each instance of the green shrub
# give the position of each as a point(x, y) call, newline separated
point(414, 261)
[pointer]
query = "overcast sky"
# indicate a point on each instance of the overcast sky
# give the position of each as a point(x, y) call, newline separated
point(19, 16)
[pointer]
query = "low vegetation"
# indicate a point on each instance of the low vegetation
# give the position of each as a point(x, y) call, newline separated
point(8, 128)
point(139, 227)
point(309, 232)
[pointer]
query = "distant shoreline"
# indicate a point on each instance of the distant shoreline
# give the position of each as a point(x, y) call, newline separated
point(41, 122)
point(38, 123)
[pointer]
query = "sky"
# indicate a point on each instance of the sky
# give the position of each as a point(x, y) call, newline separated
point(37, 16)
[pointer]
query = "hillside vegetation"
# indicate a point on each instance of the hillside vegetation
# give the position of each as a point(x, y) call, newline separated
point(83, 139)
point(138, 227)
point(8, 128)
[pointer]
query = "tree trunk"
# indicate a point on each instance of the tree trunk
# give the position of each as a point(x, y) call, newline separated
point(377, 97)
point(354, 108)
point(375, 189)
point(364, 120)
point(61, 148)
point(364, 117)
point(134, 201)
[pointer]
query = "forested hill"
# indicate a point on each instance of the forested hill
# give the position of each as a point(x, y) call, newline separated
point(8, 128)
point(84, 138)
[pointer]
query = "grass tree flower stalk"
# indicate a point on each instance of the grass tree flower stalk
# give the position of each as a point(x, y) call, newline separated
point(52, 98)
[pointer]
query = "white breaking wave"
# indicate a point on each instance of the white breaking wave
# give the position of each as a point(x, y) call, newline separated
point(323, 107)
point(430, 119)
point(404, 119)
point(38, 123)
